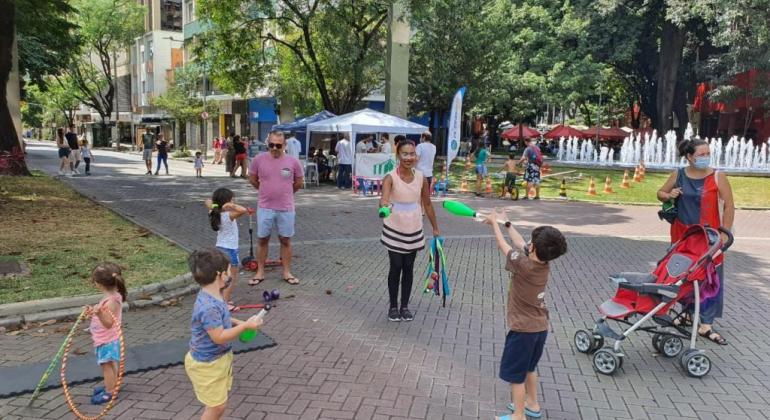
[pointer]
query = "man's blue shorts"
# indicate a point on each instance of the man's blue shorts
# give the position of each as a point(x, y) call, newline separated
point(520, 356)
point(278, 221)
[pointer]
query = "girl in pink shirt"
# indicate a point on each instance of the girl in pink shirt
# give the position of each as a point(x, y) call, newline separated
point(107, 277)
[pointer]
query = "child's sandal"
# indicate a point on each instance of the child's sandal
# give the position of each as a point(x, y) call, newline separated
point(102, 398)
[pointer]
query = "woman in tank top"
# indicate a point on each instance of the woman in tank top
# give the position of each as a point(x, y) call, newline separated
point(406, 191)
point(703, 197)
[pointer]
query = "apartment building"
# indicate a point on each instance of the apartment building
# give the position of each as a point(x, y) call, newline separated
point(153, 58)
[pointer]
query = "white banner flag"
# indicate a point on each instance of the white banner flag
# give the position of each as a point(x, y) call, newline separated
point(455, 127)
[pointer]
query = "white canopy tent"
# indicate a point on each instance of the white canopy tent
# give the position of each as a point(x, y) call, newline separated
point(363, 121)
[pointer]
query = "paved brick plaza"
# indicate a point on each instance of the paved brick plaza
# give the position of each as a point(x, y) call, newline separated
point(338, 357)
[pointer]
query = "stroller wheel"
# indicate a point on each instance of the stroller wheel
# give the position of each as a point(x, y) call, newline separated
point(656, 338)
point(695, 363)
point(514, 193)
point(670, 346)
point(605, 361)
point(584, 341)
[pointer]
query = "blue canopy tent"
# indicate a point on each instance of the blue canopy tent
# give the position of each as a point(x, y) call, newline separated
point(300, 126)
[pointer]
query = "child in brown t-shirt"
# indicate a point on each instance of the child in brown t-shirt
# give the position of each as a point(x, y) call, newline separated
point(527, 315)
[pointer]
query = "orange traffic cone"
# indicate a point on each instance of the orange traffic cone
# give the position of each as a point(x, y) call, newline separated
point(636, 175)
point(608, 186)
point(489, 185)
point(546, 169)
point(625, 183)
point(592, 187)
point(642, 171)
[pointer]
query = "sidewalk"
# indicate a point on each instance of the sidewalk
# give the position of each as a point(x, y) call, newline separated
point(338, 357)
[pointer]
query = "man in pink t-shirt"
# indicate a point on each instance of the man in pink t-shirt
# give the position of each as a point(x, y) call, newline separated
point(276, 176)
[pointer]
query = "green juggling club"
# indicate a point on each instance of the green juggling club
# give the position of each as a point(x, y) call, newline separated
point(463, 210)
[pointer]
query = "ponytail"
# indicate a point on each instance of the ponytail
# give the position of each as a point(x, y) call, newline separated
point(220, 197)
point(687, 146)
point(110, 276)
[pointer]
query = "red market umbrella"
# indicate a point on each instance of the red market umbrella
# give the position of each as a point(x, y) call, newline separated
point(526, 132)
point(612, 133)
point(563, 131)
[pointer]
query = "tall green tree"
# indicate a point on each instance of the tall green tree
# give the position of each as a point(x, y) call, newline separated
point(59, 99)
point(181, 99)
point(742, 35)
point(446, 52)
point(42, 49)
point(338, 45)
point(535, 55)
point(106, 29)
point(653, 46)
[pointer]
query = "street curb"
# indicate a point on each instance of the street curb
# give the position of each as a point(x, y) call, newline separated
point(14, 314)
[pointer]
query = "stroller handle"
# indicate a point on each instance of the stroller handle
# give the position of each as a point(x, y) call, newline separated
point(730, 238)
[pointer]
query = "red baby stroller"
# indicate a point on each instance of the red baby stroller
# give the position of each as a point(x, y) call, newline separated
point(678, 278)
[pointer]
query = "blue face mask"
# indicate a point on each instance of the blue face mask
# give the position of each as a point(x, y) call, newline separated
point(702, 162)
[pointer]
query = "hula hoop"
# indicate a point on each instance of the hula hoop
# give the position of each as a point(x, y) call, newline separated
point(56, 358)
point(118, 380)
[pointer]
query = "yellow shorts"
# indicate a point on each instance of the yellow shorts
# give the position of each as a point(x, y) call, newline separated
point(211, 380)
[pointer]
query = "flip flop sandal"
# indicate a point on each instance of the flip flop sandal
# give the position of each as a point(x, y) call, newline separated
point(255, 281)
point(289, 280)
point(527, 411)
point(717, 338)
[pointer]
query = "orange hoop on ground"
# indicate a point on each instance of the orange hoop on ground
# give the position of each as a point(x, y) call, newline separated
point(118, 380)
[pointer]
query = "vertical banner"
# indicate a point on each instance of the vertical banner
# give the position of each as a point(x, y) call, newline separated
point(455, 128)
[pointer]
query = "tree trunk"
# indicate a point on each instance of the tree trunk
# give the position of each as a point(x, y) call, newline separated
point(669, 60)
point(11, 155)
point(680, 107)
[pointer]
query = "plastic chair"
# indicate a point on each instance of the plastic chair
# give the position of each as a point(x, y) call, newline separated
point(365, 187)
point(311, 174)
point(441, 187)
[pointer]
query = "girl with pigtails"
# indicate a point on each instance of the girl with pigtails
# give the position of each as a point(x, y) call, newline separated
point(222, 214)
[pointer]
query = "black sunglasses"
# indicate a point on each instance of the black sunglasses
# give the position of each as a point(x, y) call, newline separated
point(278, 146)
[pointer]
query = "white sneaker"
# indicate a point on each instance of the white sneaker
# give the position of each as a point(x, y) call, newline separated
point(70, 174)
point(76, 171)
point(61, 172)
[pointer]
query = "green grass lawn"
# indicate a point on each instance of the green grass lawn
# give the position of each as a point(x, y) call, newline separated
point(749, 192)
point(62, 235)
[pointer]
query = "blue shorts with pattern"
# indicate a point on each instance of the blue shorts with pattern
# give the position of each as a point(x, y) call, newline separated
point(532, 174)
point(109, 352)
point(481, 170)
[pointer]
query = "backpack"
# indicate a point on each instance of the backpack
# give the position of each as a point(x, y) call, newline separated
point(538, 156)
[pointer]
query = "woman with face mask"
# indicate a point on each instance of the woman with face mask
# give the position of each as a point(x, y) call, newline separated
point(704, 197)
point(406, 192)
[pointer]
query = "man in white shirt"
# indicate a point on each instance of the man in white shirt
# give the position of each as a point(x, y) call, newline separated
point(293, 146)
point(365, 145)
point(345, 163)
point(426, 154)
point(385, 146)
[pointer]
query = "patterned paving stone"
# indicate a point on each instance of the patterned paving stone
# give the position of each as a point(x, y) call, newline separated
point(338, 357)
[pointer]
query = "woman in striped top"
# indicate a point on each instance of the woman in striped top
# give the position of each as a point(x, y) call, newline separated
point(406, 191)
